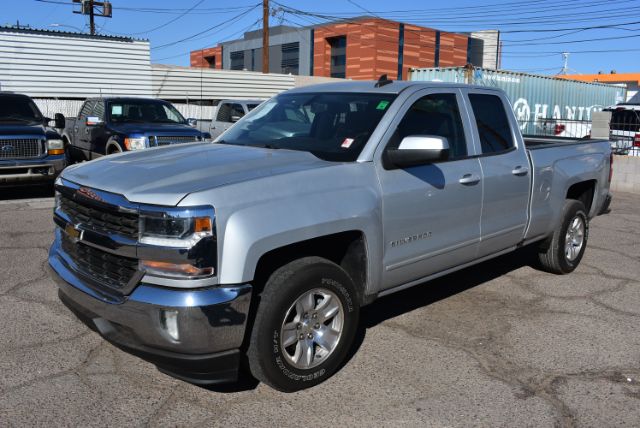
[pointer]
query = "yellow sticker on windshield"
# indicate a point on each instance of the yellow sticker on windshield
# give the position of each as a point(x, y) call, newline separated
point(382, 105)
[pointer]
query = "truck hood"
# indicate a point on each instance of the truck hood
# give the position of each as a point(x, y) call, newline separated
point(26, 129)
point(164, 176)
point(155, 128)
point(13, 129)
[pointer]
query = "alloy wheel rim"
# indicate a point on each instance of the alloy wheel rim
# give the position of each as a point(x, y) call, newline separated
point(312, 328)
point(574, 239)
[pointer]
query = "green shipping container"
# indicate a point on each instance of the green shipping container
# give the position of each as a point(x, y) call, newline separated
point(538, 101)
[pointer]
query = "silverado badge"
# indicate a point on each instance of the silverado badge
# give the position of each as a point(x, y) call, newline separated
point(89, 194)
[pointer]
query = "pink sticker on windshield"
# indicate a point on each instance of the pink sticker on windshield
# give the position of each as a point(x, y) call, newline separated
point(347, 143)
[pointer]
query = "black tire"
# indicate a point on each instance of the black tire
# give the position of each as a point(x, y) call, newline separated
point(68, 153)
point(113, 149)
point(553, 253)
point(266, 354)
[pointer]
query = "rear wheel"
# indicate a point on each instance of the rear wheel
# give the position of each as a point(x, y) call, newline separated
point(305, 324)
point(563, 252)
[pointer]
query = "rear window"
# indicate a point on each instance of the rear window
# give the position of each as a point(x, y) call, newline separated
point(625, 120)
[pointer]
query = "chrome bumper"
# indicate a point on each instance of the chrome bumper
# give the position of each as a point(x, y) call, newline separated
point(210, 322)
point(25, 171)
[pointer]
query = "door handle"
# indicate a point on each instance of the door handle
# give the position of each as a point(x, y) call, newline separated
point(469, 179)
point(519, 170)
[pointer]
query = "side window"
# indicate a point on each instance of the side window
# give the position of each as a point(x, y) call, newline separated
point(435, 114)
point(224, 113)
point(493, 124)
point(86, 109)
point(98, 110)
point(236, 110)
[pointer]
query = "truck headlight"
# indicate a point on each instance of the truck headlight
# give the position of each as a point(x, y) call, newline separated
point(135, 143)
point(55, 147)
point(175, 232)
point(178, 243)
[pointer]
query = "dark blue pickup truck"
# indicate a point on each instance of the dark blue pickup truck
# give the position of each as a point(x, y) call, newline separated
point(30, 150)
point(111, 125)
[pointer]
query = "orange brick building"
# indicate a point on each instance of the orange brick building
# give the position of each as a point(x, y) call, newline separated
point(360, 48)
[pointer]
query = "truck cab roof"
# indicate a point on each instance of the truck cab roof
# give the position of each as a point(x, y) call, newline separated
point(392, 87)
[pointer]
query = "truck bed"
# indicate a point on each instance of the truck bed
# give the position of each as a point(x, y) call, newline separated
point(564, 162)
point(533, 142)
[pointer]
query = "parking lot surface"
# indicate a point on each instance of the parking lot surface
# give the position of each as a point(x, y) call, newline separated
point(498, 344)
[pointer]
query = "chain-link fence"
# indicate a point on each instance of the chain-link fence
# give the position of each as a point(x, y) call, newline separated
point(624, 130)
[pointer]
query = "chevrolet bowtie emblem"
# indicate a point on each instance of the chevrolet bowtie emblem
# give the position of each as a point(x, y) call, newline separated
point(73, 232)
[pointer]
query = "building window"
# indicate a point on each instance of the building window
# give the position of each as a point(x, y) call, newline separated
point(290, 58)
point(338, 56)
point(211, 61)
point(237, 60)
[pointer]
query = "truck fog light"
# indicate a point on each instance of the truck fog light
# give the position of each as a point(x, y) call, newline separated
point(169, 323)
point(175, 270)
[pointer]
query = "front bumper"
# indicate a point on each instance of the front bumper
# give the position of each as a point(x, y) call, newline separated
point(27, 171)
point(210, 322)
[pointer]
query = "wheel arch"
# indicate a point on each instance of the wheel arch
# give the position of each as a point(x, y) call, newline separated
point(348, 249)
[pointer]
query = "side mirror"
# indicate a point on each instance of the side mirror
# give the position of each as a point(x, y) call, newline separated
point(235, 118)
point(59, 120)
point(417, 150)
point(94, 121)
point(192, 122)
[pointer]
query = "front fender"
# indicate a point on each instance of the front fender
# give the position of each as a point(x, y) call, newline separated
point(253, 231)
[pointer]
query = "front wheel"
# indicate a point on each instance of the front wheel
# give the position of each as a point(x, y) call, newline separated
point(563, 252)
point(305, 324)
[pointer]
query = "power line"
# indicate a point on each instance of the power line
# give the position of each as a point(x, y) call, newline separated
point(168, 22)
point(193, 36)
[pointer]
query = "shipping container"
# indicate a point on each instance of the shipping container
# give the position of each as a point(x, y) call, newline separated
point(544, 105)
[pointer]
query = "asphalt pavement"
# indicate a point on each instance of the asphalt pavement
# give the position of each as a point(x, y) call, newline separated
point(498, 344)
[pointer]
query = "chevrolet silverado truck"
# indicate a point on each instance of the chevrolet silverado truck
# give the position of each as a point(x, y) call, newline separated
point(259, 251)
point(105, 126)
point(31, 152)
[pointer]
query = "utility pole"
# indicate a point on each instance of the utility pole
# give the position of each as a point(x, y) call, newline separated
point(265, 36)
point(88, 7)
point(92, 23)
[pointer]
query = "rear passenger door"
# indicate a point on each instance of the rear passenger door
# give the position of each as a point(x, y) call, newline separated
point(505, 170)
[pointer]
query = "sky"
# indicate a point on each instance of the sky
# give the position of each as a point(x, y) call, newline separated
point(600, 35)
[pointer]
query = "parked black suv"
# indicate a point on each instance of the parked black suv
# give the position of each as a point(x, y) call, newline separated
point(111, 125)
point(30, 150)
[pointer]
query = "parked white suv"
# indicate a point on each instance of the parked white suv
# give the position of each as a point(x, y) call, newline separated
point(625, 129)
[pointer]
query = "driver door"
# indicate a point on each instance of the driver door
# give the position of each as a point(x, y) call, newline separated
point(431, 213)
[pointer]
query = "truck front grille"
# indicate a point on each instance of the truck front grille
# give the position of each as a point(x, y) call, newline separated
point(20, 148)
point(108, 269)
point(165, 140)
point(92, 216)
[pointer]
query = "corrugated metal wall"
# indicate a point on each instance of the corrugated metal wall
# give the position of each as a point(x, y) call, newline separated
point(182, 83)
point(41, 64)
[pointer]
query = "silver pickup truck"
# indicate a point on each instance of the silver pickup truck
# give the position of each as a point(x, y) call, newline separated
point(259, 251)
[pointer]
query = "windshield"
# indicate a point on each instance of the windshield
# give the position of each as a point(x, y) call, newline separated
point(250, 106)
point(19, 109)
point(333, 127)
point(144, 111)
